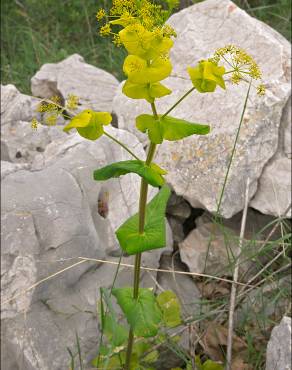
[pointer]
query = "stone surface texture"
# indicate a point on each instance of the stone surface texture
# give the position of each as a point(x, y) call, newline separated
point(216, 244)
point(279, 346)
point(94, 86)
point(16, 106)
point(274, 193)
point(197, 165)
point(19, 142)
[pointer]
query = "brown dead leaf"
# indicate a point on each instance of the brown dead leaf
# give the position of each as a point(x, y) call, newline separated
point(214, 289)
point(239, 364)
point(215, 342)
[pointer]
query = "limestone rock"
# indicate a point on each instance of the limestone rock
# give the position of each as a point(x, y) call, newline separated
point(8, 167)
point(94, 87)
point(274, 193)
point(178, 207)
point(16, 106)
point(273, 196)
point(206, 249)
point(182, 285)
point(279, 346)
point(197, 165)
point(212, 246)
point(24, 144)
point(176, 228)
point(52, 214)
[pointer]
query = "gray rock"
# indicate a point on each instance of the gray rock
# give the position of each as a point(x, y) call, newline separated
point(51, 216)
point(279, 346)
point(178, 207)
point(8, 167)
point(16, 106)
point(211, 247)
point(176, 228)
point(182, 285)
point(24, 144)
point(207, 250)
point(197, 165)
point(4, 152)
point(94, 87)
point(274, 193)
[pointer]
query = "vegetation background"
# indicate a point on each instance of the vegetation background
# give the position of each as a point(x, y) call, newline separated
point(34, 32)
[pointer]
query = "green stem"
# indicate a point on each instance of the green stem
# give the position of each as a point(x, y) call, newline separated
point(122, 145)
point(178, 102)
point(233, 150)
point(142, 215)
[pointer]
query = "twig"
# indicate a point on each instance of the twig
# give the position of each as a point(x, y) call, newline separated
point(235, 278)
point(169, 271)
point(41, 281)
point(85, 259)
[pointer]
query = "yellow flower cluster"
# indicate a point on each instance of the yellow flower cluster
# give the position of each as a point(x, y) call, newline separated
point(241, 63)
point(52, 108)
point(34, 124)
point(72, 102)
point(147, 40)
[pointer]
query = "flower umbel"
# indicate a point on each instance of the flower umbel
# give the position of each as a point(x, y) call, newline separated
point(72, 102)
point(242, 65)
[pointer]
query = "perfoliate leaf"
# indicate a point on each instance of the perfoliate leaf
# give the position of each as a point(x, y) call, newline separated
point(206, 76)
point(116, 333)
point(153, 237)
point(137, 91)
point(140, 72)
point(152, 174)
point(175, 129)
point(168, 128)
point(157, 90)
point(142, 313)
point(170, 307)
point(147, 123)
point(89, 124)
point(145, 91)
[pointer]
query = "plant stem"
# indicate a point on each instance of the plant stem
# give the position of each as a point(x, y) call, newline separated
point(122, 145)
point(142, 215)
point(233, 150)
point(178, 102)
point(217, 214)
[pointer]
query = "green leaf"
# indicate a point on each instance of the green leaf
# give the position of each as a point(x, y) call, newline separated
point(147, 123)
point(142, 313)
point(206, 76)
point(170, 308)
point(157, 90)
point(152, 174)
point(145, 91)
point(168, 128)
point(211, 365)
point(132, 241)
point(89, 124)
point(140, 72)
point(116, 333)
point(207, 365)
point(176, 129)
